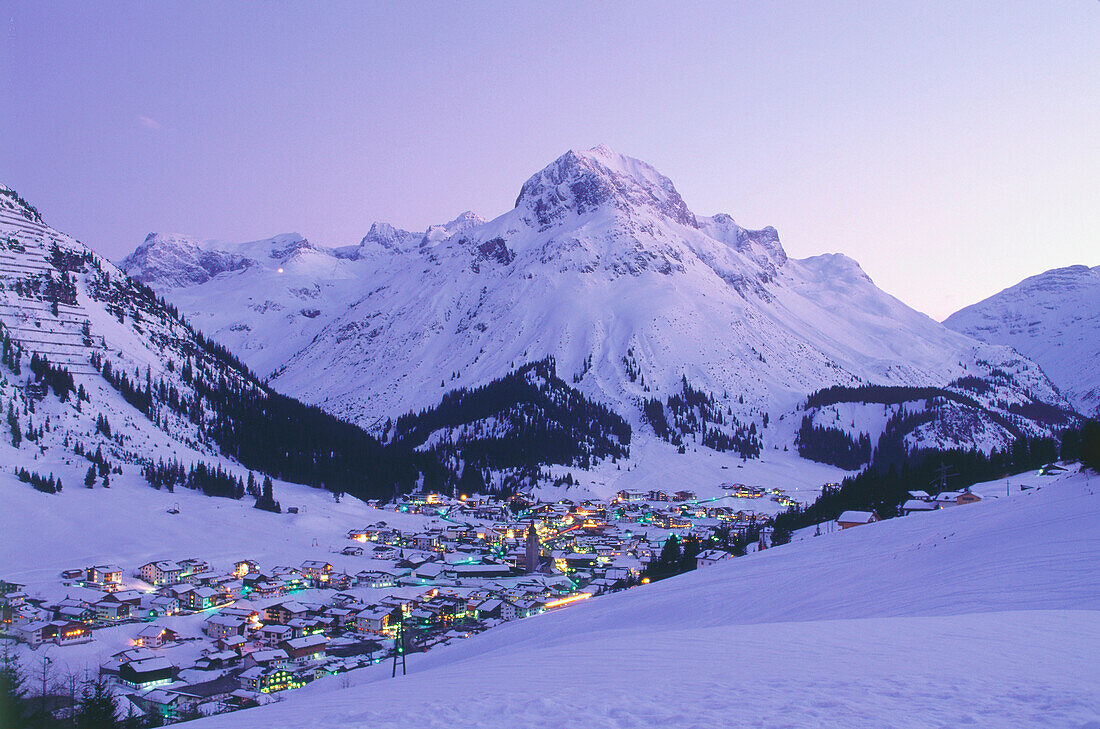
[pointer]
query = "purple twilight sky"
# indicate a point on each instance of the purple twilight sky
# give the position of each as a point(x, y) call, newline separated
point(952, 148)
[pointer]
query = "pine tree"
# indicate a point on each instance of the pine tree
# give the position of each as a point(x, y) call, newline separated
point(97, 709)
point(1090, 444)
point(13, 423)
point(13, 709)
point(89, 477)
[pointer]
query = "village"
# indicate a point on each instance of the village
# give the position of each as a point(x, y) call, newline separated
point(182, 637)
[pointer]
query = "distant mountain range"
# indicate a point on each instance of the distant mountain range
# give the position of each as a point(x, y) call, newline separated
point(691, 327)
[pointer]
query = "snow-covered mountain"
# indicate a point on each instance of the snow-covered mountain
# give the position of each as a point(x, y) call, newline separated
point(175, 260)
point(61, 303)
point(95, 367)
point(94, 364)
point(601, 265)
point(1054, 320)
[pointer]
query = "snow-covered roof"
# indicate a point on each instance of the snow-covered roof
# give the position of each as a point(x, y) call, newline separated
point(858, 517)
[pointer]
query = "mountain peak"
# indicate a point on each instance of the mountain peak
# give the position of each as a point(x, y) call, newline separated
point(584, 181)
point(169, 260)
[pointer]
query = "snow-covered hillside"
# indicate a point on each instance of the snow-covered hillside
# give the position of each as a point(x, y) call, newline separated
point(600, 264)
point(1054, 320)
point(96, 368)
point(60, 301)
point(984, 615)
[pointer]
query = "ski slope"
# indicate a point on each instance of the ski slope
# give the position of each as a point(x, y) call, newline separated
point(984, 615)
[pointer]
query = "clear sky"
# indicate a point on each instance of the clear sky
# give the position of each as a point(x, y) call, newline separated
point(953, 148)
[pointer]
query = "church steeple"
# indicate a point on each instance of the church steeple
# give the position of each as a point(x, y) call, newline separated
point(532, 559)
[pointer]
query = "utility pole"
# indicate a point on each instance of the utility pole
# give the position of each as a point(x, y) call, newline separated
point(399, 649)
point(45, 676)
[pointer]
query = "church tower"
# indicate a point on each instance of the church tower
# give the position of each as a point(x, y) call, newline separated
point(533, 558)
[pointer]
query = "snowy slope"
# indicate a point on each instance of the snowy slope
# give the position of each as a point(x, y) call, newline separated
point(143, 385)
point(1054, 320)
point(985, 615)
point(600, 264)
point(100, 318)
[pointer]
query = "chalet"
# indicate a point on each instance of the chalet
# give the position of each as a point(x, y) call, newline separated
point(946, 498)
point(160, 573)
point(305, 649)
point(232, 643)
point(855, 518)
point(160, 605)
point(146, 673)
point(383, 551)
point(270, 680)
point(709, 557)
point(352, 551)
point(222, 626)
point(107, 576)
point(155, 636)
point(36, 633)
point(242, 699)
point(194, 570)
point(272, 658)
point(316, 570)
point(73, 609)
point(202, 598)
point(290, 577)
point(284, 612)
point(956, 498)
point(375, 578)
point(487, 610)
point(244, 567)
point(228, 586)
point(111, 610)
point(340, 580)
point(269, 588)
point(307, 626)
point(632, 495)
point(683, 496)
point(272, 635)
point(181, 593)
point(528, 606)
point(132, 654)
point(242, 610)
point(914, 505)
point(217, 689)
point(373, 621)
point(920, 495)
point(158, 702)
point(218, 660)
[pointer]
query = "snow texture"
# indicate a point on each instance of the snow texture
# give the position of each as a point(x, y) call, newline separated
point(985, 615)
